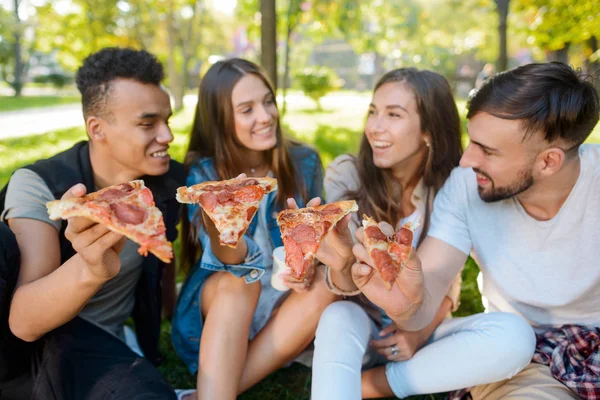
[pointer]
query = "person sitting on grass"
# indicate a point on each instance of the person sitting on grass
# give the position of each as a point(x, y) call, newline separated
point(412, 141)
point(231, 326)
point(524, 203)
point(80, 282)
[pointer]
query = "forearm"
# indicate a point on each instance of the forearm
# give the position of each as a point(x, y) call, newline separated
point(445, 307)
point(428, 312)
point(228, 255)
point(342, 279)
point(49, 302)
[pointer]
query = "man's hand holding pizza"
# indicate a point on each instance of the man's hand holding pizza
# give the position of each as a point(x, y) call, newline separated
point(406, 294)
point(98, 246)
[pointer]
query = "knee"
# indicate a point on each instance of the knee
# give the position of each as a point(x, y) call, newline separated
point(230, 285)
point(515, 337)
point(342, 318)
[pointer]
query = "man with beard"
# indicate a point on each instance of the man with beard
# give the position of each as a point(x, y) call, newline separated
point(525, 205)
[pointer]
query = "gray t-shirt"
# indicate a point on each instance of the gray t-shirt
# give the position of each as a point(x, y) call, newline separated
point(109, 308)
point(545, 271)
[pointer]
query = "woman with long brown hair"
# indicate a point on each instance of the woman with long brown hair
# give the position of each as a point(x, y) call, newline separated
point(231, 326)
point(411, 144)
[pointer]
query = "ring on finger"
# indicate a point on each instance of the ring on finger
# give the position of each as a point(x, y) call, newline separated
point(394, 350)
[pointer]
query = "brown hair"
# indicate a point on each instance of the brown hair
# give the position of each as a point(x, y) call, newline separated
point(550, 98)
point(213, 136)
point(379, 194)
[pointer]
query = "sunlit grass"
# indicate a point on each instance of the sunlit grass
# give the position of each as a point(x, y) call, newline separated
point(9, 103)
point(334, 131)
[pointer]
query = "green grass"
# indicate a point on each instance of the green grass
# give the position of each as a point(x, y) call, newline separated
point(9, 103)
point(333, 132)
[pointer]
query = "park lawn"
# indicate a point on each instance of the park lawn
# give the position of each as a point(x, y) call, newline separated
point(335, 130)
point(9, 103)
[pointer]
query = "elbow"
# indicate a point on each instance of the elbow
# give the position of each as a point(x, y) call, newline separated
point(21, 329)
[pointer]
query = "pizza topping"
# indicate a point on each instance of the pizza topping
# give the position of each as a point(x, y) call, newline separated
point(226, 198)
point(400, 250)
point(127, 209)
point(146, 196)
point(387, 269)
point(373, 232)
point(404, 236)
point(293, 253)
point(250, 213)
point(129, 213)
point(208, 201)
point(111, 194)
point(330, 209)
point(249, 194)
point(303, 233)
point(303, 230)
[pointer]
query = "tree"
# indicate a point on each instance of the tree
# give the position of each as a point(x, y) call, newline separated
point(181, 33)
point(554, 26)
point(17, 83)
point(502, 7)
point(268, 39)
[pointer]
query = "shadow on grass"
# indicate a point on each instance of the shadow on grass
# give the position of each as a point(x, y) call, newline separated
point(291, 383)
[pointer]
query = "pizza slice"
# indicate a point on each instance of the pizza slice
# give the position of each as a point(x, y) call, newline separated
point(230, 204)
point(128, 209)
point(389, 254)
point(303, 229)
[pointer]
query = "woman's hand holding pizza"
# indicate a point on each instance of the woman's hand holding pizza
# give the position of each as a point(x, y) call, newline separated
point(98, 246)
point(335, 249)
point(406, 294)
point(288, 280)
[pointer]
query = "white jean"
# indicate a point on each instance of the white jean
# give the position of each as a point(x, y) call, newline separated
point(462, 352)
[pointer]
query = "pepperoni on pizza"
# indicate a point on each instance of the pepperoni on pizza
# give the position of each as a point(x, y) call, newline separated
point(128, 209)
point(389, 254)
point(230, 204)
point(302, 231)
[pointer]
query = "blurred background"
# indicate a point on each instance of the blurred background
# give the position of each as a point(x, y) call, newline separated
point(324, 56)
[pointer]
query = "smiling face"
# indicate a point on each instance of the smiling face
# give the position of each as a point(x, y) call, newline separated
point(134, 133)
point(393, 126)
point(503, 162)
point(255, 114)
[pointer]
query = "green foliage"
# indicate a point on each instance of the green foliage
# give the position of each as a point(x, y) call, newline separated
point(57, 80)
point(316, 82)
point(553, 24)
point(334, 132)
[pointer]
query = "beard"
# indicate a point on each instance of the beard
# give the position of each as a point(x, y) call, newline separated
point(523, 182)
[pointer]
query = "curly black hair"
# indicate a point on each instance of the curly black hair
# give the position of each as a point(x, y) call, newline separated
point(101, 68)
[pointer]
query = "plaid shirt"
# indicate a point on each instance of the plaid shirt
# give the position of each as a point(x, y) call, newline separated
point(573, 354)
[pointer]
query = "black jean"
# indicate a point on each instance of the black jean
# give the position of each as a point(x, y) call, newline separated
point(77, 361)
point(81, 361)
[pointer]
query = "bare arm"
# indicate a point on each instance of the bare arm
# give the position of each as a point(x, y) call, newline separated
point(49, 294)
point(227, 255)
point(441, 263)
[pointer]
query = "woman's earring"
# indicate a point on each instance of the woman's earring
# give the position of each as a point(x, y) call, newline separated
point(427, 143)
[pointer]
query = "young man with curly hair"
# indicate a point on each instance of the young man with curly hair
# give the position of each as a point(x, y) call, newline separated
point(79, 282)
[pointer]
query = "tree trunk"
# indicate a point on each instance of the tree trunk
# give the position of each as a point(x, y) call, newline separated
point(593, 67)
point(286, 70)
point(17, 83)
point(268, 39)
point(561, 55)
point(174, 79)
point(502, 8)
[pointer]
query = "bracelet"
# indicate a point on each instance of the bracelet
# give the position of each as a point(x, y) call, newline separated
point(334, 289)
